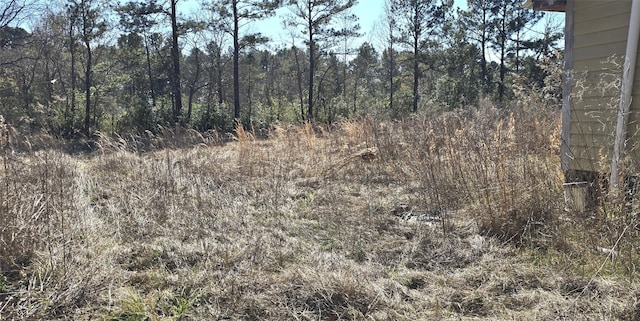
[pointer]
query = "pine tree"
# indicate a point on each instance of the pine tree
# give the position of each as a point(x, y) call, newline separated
point(91, 25)
point(509, 21)
point(315, 16)
point(233, 15)
point(419, 21)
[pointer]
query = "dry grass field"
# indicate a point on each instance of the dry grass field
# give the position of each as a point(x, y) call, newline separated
point(455, 217)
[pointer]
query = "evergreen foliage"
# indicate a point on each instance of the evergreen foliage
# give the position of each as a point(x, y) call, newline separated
point(97, 67)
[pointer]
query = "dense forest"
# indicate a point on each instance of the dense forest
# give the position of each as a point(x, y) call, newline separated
point(77, 67)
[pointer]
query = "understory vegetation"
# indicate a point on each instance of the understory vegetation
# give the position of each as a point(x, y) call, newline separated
point(458, 216)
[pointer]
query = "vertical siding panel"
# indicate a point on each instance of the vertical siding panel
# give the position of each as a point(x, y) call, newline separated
point(601, 29)
point(565, 135)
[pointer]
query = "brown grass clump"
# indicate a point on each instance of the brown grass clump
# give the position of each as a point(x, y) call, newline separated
point(457, 217)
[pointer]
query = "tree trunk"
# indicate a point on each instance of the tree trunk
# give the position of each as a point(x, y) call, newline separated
point(390, 9)
point(416, 54)
point(483, 59)
point(219, 66)
point(355, 92)
point(236, 63)
point(249, 101)
point(175, 55)
point(312, 64)
point(503, 43)
point(96, 97)
point(25, 96)
point(416, 74)
point(518, 45)
point(193, 87)
point(87, 89)
point(344, 70)
point(73, 78)
point(299, 78)
point(392, 63)
point(192, 92)
point(149, 74)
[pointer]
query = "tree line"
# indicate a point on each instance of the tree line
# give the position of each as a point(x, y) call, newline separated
point(74, 67)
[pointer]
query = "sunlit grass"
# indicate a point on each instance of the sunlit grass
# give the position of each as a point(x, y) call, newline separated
point(459, 216)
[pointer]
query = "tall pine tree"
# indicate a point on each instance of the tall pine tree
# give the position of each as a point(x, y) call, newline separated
point(419, 21)
point(233, 15)
point(315, 17)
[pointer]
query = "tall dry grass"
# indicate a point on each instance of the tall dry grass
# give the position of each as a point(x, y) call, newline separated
point(502, 165)
point(458, 216)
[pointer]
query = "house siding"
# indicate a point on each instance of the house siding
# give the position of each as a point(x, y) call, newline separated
point(599, 45)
